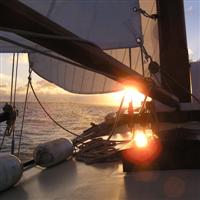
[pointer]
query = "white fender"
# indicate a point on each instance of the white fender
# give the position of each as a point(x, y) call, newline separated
point(53, 152)
point(10, 171)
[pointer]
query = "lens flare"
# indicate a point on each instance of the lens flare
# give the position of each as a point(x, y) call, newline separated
point(131, 94)
point(140, 139)
point(144, 148)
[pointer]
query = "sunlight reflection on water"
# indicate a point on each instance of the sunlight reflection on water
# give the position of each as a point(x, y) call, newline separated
point(39, 128)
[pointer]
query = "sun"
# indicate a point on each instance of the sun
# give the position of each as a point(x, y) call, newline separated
point(131, 94)
point(140, 139)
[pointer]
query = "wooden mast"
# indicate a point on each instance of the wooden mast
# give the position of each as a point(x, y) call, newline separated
point(173, 47)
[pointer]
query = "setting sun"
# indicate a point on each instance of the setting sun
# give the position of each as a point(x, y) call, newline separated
point(131, 94)
point(140, 139)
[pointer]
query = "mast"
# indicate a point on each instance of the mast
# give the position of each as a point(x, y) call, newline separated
point(173, 47)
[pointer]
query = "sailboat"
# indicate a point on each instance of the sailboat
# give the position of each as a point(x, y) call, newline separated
point(96, 47)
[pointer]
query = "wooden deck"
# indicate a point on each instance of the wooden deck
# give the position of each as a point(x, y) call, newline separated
point(75, 180)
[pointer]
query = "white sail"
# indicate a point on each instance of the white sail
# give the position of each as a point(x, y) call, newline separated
point(71, 78)
point(150, 41)
point(111, 25)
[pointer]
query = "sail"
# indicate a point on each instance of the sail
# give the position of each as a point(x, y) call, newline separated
point(111, 25)
point(71, 78)
point(150, 41)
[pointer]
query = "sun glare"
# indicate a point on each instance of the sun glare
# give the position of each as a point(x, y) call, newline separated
point(131, 94)
point(140, 139)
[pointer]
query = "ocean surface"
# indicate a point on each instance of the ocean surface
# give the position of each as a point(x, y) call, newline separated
point(38, 128)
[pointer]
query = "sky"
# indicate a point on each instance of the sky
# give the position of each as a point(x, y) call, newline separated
point(49, 92)
point(192, 18)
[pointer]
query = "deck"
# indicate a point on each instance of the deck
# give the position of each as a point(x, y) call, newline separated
point(75, 180)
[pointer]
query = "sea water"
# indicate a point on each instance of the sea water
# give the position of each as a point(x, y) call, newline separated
point(38, 128)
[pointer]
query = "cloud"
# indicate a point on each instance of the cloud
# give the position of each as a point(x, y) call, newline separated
point(3, 86)
point(47, 92)
point(6, 79)
point(48, 88)
point(190, 53)
point(4, 83)
point(189, 9)
point(4, 95)
point(23, 58)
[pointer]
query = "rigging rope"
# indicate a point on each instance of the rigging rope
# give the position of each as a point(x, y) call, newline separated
point(130, 58)
point(15, 86)
point(12, 77)
point(139, 40)
point(117, 118)
point(10, 128)
point(24, 111)
point(144, 13)
point(2, 141)
point(16, 112)
point(142, 59)
point(48, 113)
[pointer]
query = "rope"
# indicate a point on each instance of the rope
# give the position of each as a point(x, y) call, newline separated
point(15, 87)
point(14, 99)
point(12, 151)
point(117, 118)
point(11, 124)
point(144, 13)
point(2, 140)
point(98, 149)
point(24, 111)
point(49, 114)
point(143, 105)
point(142, 59)
point(146, 55)
point(144, 33)
point(30, 85)
point(12, 77)
point(130, 58)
